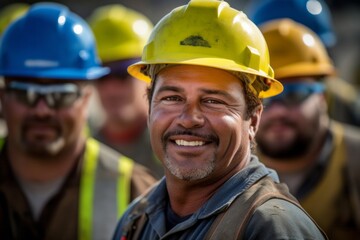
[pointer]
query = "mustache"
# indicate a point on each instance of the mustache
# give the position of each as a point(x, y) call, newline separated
point(207, 137)
point(283, 121)
point(36, 121)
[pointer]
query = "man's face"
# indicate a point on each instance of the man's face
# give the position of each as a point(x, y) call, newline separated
point(291, 121)
point(38, 129)
point(123, 98)
point(197, 122)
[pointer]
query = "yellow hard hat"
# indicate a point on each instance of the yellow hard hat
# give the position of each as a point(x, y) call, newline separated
point(210, 33)
point(120, 32)
point(10, 13)
point(295, 50)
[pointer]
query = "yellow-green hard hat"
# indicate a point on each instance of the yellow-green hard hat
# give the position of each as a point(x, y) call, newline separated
point(120, 32)
point(10, 13)
point(210, 33)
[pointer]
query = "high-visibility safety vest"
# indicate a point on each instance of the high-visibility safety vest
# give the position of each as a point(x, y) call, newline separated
point(343, 162)
point(102, 200)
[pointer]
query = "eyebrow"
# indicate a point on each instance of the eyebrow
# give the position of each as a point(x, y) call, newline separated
point(170, 88)
point(217, 92)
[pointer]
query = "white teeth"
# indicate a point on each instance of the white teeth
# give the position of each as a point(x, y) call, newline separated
point(192, 143)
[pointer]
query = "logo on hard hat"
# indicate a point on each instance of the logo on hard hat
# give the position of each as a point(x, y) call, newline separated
point(196, 41)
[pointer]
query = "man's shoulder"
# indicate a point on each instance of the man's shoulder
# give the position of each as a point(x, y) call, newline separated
point(281, 219)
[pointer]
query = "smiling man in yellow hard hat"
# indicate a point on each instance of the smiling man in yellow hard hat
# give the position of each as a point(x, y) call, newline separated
point(208, 66)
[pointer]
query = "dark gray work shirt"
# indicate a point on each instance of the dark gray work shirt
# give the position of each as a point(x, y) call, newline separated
point(267, 222)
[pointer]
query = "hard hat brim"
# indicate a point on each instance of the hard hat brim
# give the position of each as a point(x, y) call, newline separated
point(76, 74)
point(305, 69)
point(228, 65)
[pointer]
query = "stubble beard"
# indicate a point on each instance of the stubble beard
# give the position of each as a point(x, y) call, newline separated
point(44, 151)
point(297, 148)
point(189, 174)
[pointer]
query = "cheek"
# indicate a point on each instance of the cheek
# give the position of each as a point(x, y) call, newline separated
point(310, 110)
point(231, 130)
point(234, 140)
point(159, 121)
point(156, 125)
point(74, 118)
point(13, 113)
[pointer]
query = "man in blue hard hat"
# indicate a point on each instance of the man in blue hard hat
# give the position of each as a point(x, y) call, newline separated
point(55, 182)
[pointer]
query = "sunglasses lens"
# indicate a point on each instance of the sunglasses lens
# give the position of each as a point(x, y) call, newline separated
point(55, 96)
point(296, 98)
point(295, 93)
point(64, 99)
point(23, 97)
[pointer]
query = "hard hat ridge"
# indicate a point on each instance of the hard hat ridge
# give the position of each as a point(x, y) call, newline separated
point(120, 32)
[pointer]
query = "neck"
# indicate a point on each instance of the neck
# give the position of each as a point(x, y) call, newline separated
point(186, 200)
point(30, 168)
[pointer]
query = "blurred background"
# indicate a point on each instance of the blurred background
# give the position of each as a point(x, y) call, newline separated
point(345, 13)
point(345, 17)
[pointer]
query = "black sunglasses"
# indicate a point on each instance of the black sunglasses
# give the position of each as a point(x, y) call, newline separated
point(56, 95)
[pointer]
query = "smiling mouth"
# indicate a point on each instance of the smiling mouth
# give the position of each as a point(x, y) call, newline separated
point(189, 143)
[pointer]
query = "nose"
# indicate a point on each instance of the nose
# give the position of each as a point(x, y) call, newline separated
point(191, 117)
point(41, 108)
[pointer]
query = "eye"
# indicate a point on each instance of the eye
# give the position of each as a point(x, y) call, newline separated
point(213, 101)
point(171, 99)
point(64, 99)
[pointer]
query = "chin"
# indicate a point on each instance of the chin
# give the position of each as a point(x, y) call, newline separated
point(46, 150)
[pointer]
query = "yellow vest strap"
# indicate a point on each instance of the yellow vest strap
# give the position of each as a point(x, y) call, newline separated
point(124, 184)
point(87, 189)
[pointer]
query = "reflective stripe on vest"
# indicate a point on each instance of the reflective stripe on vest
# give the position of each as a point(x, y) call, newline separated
point(102, 200)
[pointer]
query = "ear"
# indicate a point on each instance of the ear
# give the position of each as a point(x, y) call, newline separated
point(255, 121)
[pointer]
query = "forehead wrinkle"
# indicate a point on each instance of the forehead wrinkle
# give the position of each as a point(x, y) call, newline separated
point(170, 88)
point(202, 90)
point(216, 92)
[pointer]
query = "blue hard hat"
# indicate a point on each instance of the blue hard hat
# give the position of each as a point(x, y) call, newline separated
point(315, 14)
point(50, 41)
